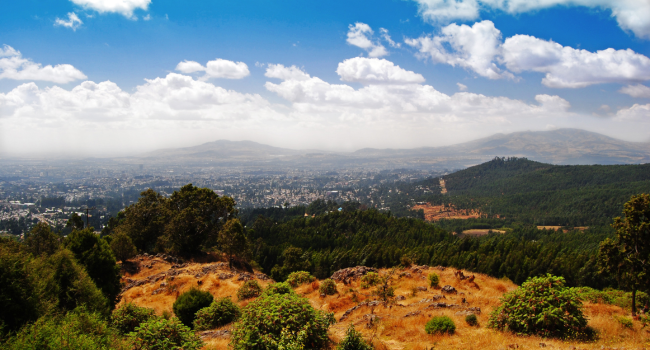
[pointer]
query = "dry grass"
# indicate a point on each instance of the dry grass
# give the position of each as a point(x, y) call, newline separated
point(393, 330)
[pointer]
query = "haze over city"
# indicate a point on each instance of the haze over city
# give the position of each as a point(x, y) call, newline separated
point(113, 78)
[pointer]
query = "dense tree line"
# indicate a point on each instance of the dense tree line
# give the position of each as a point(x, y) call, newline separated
point(344, 239)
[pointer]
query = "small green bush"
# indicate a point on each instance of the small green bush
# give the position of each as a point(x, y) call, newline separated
point(221, 312)
point(353, 341)
point(327, 287)
point(250, 289)
point(189, 303)
point(162, 334)
point(278, 288)
point(440, 325)
point(369, 280)
point(625, 322)
point(298, 278)
point(128, 316)
point(434, 279)
point(542, 306)
point(471, 320)
point(280, 321)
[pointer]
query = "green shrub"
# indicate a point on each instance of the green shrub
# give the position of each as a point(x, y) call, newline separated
point(299, 278)
point(250, 289)
point(611, 296)
point(440, 325)
point(471, 320)
point(278, 288)
point(189, 303)
point(78, 329)
point(624, 321)
point(162, 334)
point(353, 341)
point(370, 279)
point(327, 287)
point(221, 312)
point(277, 320)
point(542, 306)
point(434, 279)
point(128, 316)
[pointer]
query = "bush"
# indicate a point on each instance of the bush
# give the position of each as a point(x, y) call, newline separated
point(128, 316)
point(542, 306)
point(353, 341)
point(189, 303)
point(280, 320)
point(434, 279)
point(122, 247)
point(440, 325)
point(250, 289)
point(624, 321)
point(78, 329)
point(221, 312)
point(370, 279)
point(471, 320)
point(299, 278)
point(327, 287)
point(162, 334)
point(278, 288)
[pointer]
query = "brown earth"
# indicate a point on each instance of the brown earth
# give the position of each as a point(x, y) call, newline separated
point(156, 283)
point(438, 212)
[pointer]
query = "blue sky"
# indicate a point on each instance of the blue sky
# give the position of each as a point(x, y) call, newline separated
point(126, 76)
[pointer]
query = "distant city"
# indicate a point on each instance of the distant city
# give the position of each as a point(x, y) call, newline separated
point(33, 191)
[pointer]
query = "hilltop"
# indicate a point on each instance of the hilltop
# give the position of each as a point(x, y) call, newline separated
point(561, 146)
point(155, 283)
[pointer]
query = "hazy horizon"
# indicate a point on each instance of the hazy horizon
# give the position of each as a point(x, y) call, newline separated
point(106, 78)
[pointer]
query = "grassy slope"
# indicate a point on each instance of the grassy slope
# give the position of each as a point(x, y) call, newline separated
point(395, 331)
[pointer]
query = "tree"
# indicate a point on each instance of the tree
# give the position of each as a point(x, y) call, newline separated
point(143, 221)
point(233, 240)
point(122, 247)
point(41, 240)
point(629, 254)
point(75, 222)
point(94, 253)
point(195, 217)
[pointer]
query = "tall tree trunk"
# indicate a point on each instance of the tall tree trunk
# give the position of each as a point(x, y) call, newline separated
point(633, 302)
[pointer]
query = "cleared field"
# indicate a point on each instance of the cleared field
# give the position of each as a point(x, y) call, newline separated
point(481, 232)
point(395, 327)
point(438, 212)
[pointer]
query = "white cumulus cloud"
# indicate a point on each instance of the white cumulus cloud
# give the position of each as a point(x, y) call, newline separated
point(14, 66)
point(123, 7)
point(636, 114)
point(566, 67)
point(360, 35)
point(638, 91)
point(473, 48)
point(376, 71)
point(632, 15)
point(479, 48)
point(218, 68)
point(462, 87)
point(73, 22)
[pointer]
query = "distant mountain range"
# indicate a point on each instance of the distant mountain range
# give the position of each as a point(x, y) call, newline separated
point(562, 146)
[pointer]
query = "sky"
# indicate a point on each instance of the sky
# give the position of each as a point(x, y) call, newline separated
point(122, 77)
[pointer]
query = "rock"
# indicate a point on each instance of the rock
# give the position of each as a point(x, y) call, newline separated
point(158, 291)
point(351, 273)
point(349, 311)
point(413, 313)
point(475, 310)
point(449, 289)
point(400, 298)
point(422, 288)
point(439, 296)
point(464, 313)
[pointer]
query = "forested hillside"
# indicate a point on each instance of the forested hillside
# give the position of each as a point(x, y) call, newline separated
point(343, 239)
point(538, 193)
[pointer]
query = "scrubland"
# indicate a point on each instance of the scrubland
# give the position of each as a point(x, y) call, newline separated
point(396, 325)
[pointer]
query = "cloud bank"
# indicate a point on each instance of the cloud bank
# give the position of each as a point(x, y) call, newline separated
point(123, 7)
point(479, 48)
point(14, 66)
point(631, 15)
point(218, 68)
